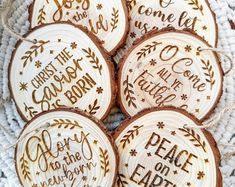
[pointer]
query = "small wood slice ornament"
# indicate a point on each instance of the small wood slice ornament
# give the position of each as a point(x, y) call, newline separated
point(65, 148)
point(65, 67)
point(167, 68)
point(180, 14)
point(108, 21)
point(156, 149)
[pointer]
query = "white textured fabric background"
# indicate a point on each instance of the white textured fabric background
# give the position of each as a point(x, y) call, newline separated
point(224, 132)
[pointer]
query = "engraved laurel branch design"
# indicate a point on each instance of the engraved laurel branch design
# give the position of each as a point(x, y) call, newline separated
point(131, 4)
point(196, 5)
point(130, 135)
point(41, 16)
point(209, 72)
point(65, 123)
point(147, 49)
point(129, 93)
point(93, 108)
point(93, 59)
point(104, 159)
point(114, 19)
point(121, 180)
point(30, 110)
point(194, 137)
point(34, 51)
point(25, 168)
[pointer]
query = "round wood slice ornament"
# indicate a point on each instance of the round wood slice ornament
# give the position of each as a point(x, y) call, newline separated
point(107, 20)
point(156, 149)
point(65, 148)
point(167, 68)
point(180, 14)
point(65, 67)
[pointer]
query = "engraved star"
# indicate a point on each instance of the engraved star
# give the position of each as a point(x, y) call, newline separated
point(59, 40)
point(133, 152)
point(23, 86)
point(99, 90)
point(130, 70)
point(132, 35)
point(73, 45)
point(175, 172)
point(204, 27)
point(160, 125)
point(95, 142)
point(184, 97)
point(94, 178)
point(38, 64)
point(153, 62)
point(21, 73)
point(99, 6)
point(77, 7)
point(143, 100)
point(206, 161)
point(59, 135)
point(37, 173)
point(208, 97)
point(200, 175)
point(188, 184)
point(188, 48)
point(197, 110)
point(35, 185)
point(149, 154)
point(198, 100)
point(126, 165)
point(173, 133)
point(51, 52)
point(84, 178)
point(67, 13)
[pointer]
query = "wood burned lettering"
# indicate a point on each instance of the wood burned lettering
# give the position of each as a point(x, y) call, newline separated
point(165, 80)
point(58, 155)
point(50, 83)
point(175, 157)
point(168, 19)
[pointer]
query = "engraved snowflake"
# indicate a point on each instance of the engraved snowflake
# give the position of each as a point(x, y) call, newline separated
point(160, 125)
point(133, 152)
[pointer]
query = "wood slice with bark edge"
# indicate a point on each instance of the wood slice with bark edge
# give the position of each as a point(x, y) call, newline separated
point(97, 43)
point(127, 122)
point(99, 124)
point(122, 40)
point(159, 32)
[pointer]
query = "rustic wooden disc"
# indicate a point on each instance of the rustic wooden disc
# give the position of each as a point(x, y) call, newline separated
point(167, 68)
point(107, 20)
point(66, 67)
point(156, 149)
point(147, 15)
point(65, 148)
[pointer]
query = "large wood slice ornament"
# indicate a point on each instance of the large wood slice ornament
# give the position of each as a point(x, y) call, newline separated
point(65, 148)
point(156, 149)
point(166, 68)
point(65, 67)
point(107, 20)
point(180, 14)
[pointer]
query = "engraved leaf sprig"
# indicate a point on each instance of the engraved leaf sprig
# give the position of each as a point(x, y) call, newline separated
point(196, 6)
point(104, 159)
point(121, 180)
point(129, 93)
point(209, 72)
point(114, 19)
point(131, 134)
point(25, 168)
point(41, 16)
point(194, 137)
point(131, 4)
point(147, 49)
point(93, 108)
point(93, 59)
point(34, 51)
point(30, 110)
point(65, 123)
